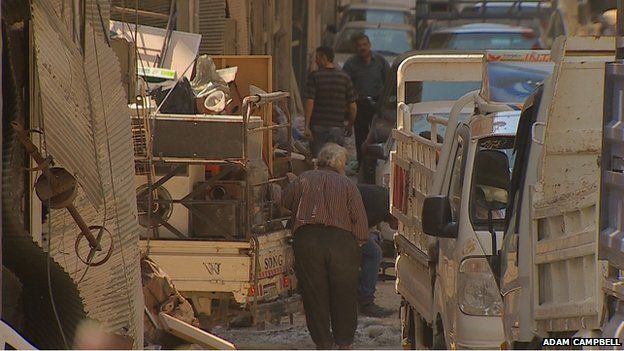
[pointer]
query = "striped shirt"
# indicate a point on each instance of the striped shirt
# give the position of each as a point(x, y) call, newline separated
point(326, 197)
point(332, 90)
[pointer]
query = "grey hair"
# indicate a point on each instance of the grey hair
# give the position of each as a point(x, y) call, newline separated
point(332, 156)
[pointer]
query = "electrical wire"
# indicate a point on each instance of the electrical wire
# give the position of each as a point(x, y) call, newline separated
point(43, 142)
point(110, 164)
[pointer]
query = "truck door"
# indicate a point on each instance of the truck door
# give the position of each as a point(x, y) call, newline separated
point(449, 260)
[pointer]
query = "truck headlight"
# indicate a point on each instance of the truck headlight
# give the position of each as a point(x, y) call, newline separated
point(478, 292)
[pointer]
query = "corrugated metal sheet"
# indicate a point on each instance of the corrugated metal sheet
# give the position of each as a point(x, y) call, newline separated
point(211, 26)
point(158, 6)
point(112, 292)
point(240, 13)
point(64, 100)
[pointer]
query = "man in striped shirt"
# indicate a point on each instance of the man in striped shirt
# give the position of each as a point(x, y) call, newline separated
point(329, 223)
point(328, 93)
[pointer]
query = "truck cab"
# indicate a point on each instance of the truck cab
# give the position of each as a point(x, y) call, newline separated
point(450, 194)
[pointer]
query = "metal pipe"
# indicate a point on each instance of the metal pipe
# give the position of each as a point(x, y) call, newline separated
point(619, 52)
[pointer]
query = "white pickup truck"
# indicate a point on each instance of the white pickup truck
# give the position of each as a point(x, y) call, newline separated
point(551, 275)
point(215, 226)
point(611, 223)
point(449, 196)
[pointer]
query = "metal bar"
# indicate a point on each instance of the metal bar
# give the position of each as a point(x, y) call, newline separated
point(173, 13)
point(171, 228)
point(270, 181)
point(194, 161)
point(127, 11)
point(208, 183)
point(619, 52)
point(167, 177)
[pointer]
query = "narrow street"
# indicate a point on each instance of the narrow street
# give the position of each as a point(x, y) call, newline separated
point(371, 333)
point(188, 174)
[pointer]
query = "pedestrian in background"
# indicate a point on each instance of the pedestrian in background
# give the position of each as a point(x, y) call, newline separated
point(329, 223)
point(368, 71)
point(328, 93)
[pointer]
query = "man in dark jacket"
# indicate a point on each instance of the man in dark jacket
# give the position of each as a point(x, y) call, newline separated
point(377, 205)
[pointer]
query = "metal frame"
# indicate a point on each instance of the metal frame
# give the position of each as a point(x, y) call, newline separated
point(454, 7)
point(244, 205)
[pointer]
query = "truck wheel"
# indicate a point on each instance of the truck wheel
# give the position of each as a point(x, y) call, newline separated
point(439, 340)
point(423, 333)
point(415, 331)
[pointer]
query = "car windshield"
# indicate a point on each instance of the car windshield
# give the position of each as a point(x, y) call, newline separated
point(491, 183)
point(484, 41)
point(377, 16)
point(431, 91)
point(383, 40)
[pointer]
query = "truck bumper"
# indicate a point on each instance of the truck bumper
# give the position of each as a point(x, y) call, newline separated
point(276, 309)
point(481, 333)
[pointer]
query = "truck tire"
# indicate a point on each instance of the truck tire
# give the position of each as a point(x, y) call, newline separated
point(439, 339)
point(416, 333)
point(423, 333)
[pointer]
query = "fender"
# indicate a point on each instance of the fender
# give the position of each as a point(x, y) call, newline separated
point(439, 307)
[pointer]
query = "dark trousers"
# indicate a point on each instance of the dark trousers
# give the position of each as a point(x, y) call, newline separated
point(327, 260)
point(365, 112)
point(371, 260)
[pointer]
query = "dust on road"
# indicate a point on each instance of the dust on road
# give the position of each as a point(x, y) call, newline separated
point(372, 333)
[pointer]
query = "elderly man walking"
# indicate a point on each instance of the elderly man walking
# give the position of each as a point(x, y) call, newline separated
point(329, 223)
point(329, 94)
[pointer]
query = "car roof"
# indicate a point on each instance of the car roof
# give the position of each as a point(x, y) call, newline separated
point(377, 7)
point(484, 27)
point(368, 25)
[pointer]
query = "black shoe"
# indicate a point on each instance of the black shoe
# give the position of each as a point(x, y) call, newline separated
point(373, 310)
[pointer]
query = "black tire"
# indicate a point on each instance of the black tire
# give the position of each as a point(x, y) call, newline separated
point(423, 333)
point(439, 339)
point(416, 333)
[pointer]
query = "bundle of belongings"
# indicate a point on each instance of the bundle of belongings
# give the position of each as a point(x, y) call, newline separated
point(207, 93)
point(161, 296)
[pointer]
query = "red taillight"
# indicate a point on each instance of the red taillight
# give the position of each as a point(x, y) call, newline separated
point(252, 291)
point(285, 281)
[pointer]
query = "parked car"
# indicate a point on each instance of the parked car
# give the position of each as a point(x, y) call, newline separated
point(483, 36)
point(389, 40)
point(376, 13)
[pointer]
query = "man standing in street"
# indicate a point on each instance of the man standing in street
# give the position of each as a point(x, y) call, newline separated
point(329, 222)
point(328, 93)
point(368, 71)
point(377, 204)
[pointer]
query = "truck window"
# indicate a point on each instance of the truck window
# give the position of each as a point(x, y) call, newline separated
point(455, 191)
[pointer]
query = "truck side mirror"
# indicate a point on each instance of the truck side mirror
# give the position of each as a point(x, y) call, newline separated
point(437, 217)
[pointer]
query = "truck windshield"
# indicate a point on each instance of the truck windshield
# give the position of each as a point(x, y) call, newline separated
point(490, 181)
point(378, 16)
